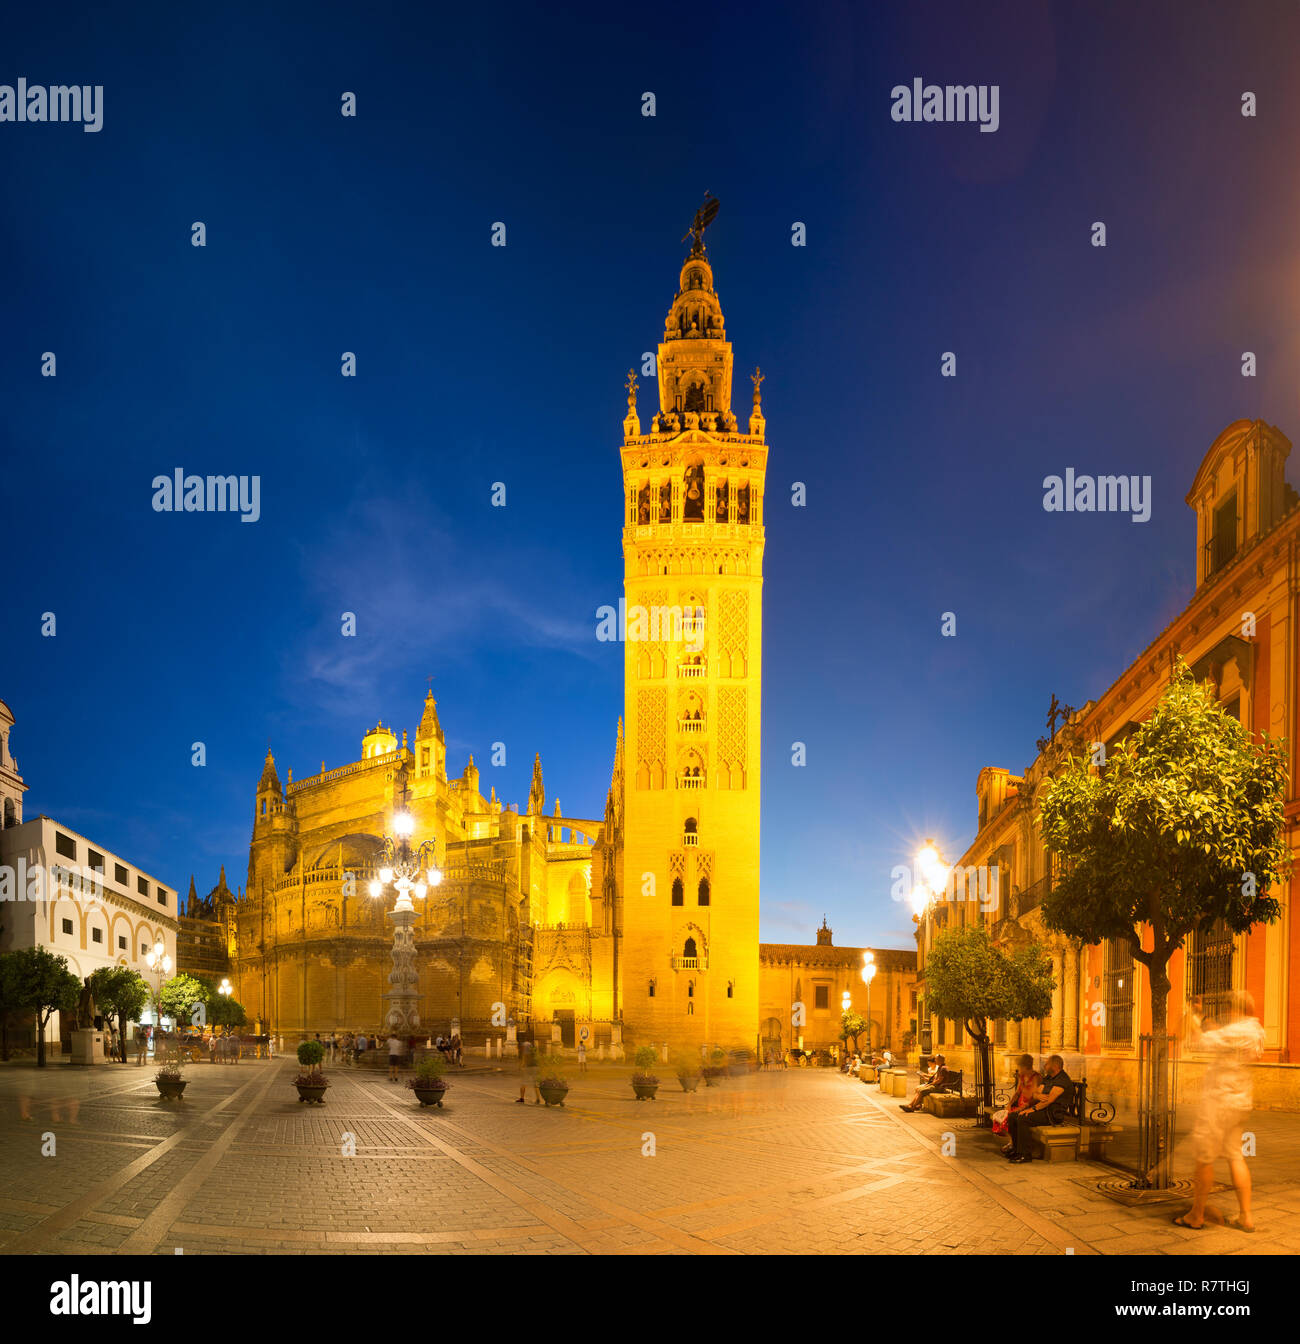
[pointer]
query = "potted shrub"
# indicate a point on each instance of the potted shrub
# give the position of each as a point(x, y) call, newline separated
point(311, 1082)
point(687, 1068)
point(551, 1082)
point(170, 1082)
point(716, 1067)
point(428, 1083)
point(644, 1082)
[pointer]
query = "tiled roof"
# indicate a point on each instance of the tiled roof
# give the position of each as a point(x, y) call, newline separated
point(811, 954)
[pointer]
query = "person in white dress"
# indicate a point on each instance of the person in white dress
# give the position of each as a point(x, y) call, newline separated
point(1233, 1045)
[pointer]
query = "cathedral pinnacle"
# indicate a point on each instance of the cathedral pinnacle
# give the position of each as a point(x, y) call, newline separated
point(631, 421)
point(757, 424)
point(269, 778)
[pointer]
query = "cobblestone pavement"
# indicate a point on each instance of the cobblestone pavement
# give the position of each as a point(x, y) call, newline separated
point(802, 1162)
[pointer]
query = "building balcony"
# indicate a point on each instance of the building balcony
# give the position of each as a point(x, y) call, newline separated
point(691, 840)
point(690, 725)
point(691, 670)
point(692, 627)
point(690, 781)
point(1032, 896)
point(689, 963)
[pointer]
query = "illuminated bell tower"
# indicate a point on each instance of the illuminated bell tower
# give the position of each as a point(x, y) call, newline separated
point(693, 579)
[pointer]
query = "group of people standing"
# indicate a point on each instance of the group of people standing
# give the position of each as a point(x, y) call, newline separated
point(349, 1046)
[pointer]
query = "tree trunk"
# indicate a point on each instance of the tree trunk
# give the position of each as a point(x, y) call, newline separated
point(40, 1040)
point(984, 1073)
point(1157, 1096)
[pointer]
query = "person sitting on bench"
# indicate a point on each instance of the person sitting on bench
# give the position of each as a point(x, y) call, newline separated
point(1051, 1102)
point(938, 1081)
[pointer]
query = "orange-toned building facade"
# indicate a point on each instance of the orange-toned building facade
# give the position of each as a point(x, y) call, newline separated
point(1241, 633)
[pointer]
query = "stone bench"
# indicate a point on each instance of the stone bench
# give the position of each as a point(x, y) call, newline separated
point(947, 1104)
point(893, 1082)
point(1061, 1143)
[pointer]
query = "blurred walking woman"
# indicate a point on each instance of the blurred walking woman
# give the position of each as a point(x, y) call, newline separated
point(1233, 1045)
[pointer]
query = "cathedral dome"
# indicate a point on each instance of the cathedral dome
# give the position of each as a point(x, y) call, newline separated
point(379, 741)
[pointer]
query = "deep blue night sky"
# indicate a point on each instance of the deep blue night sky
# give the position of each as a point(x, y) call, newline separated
point(480, 364)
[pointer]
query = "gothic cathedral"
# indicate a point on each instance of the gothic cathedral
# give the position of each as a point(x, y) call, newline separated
point(644, 921)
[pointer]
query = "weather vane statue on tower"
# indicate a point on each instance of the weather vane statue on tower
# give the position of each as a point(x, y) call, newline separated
point(704, 216)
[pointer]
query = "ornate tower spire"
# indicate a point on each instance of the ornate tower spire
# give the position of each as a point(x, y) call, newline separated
point(537, 791)
point(695, 356)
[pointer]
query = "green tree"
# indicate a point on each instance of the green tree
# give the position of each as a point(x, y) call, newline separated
point(42, 984)
point(223, 1011)
point(852, 1025)
point(178, 998)
point(121, 993)
point(1180, 828)
point(970, 980)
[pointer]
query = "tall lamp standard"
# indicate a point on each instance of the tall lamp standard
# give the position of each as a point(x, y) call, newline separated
point(411, 872)
point(868, 974)
point(160, 966)
point(932, 879)
point(846, 1003)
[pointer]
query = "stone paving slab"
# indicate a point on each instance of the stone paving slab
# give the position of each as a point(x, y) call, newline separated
point(807, 1163)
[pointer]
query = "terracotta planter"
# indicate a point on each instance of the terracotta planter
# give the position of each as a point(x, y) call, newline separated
point(712, 1074)
point(553, 1096)
point(431, 1095)
point(644, 1091)
point(171, 1089)
point(689, 1084)
point(309, 1094)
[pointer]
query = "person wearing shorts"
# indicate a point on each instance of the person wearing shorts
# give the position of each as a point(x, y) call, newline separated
point(394, 1057)
point(1234, 1044)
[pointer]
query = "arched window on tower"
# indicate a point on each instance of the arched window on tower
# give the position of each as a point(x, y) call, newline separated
point(742, 504)
point(665, 503)
point(704, 891)
point(723, 502)
point(694, 397)
point(643, 504)
point(679, 892)
point(690, 949)
point(693, 492)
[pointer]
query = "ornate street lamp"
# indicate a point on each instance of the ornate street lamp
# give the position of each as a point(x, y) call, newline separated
point(932, 880)
point(411, 872)
point(868, 974)
point(160, 966)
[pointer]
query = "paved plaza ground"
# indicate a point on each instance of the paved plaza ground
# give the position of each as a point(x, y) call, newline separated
point(804, 1162)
